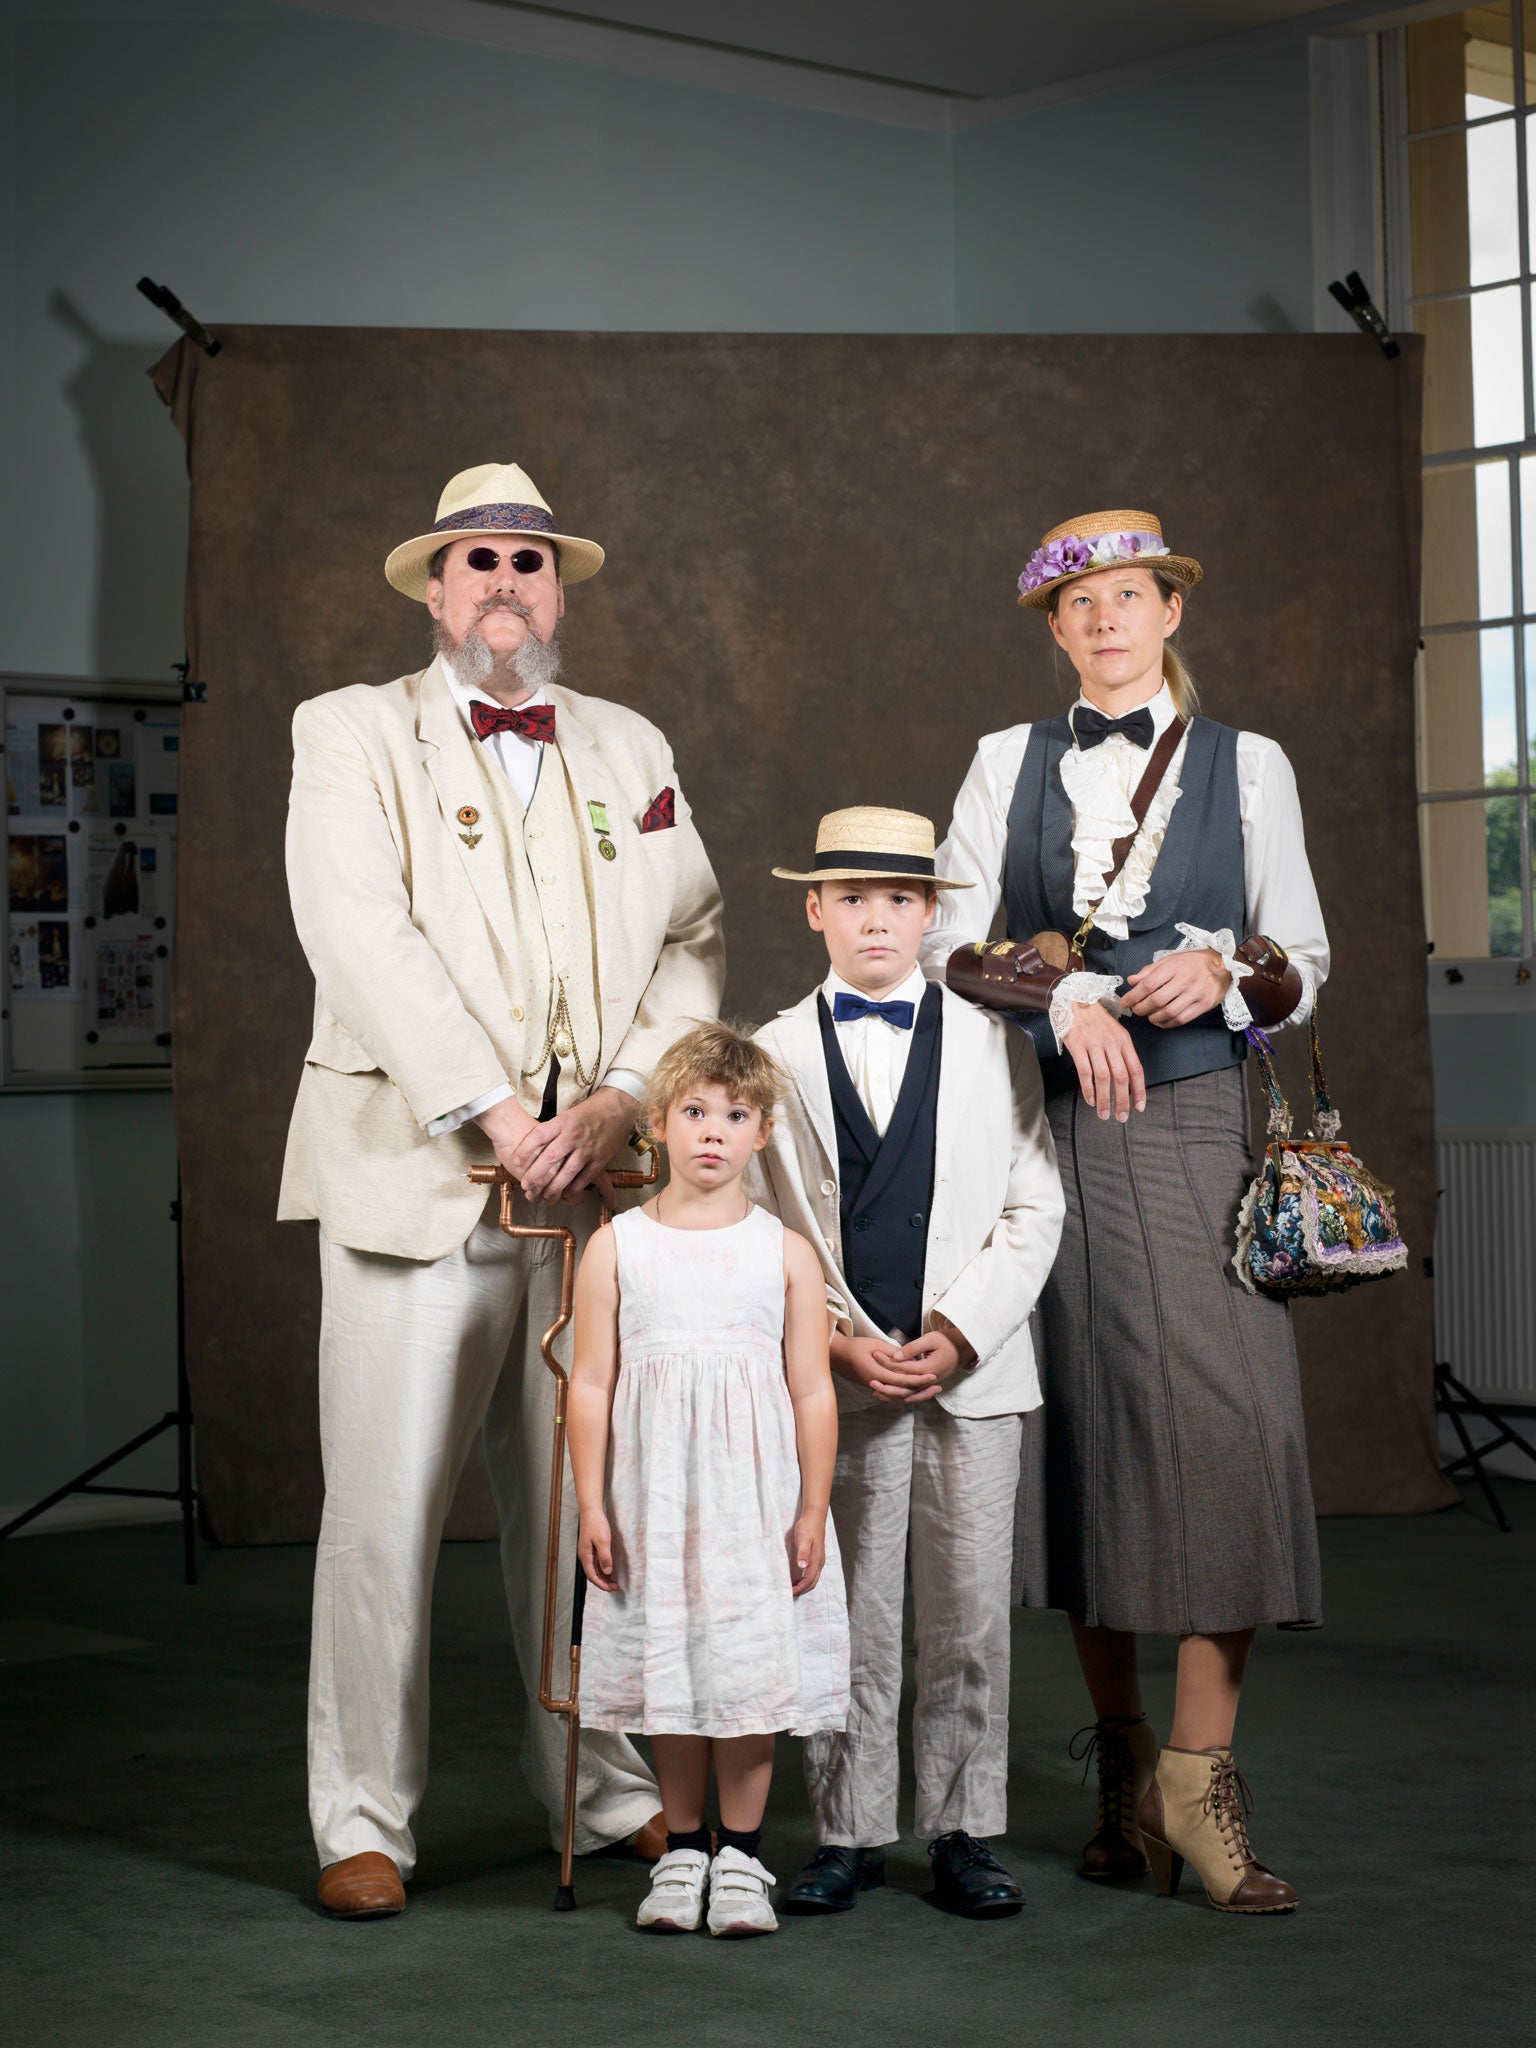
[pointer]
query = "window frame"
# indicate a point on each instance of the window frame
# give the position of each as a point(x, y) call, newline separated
point(1475, 979)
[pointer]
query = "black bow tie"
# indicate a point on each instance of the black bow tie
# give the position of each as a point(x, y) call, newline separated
point(1092, 727)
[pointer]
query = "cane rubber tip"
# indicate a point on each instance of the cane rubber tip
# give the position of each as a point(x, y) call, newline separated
point(565, 1899)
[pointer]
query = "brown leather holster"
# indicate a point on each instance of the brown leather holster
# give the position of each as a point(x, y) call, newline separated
point(1008, 974)
point(1274, 988)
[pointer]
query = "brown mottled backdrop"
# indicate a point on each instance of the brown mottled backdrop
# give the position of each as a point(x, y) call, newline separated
point(812, 548)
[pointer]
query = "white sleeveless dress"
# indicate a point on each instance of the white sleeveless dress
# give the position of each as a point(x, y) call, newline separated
point(706, 1637)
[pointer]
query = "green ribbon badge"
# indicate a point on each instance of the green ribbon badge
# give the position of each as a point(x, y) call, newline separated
point(598, 813)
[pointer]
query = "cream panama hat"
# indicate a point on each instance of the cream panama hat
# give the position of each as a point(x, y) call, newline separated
point(1101, 540)
point(496, 497)
point(857, 845)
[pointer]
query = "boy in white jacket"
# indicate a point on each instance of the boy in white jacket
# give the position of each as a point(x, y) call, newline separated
point(914, 1153)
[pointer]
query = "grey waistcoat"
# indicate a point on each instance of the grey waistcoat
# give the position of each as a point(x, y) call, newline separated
point(1198, 880)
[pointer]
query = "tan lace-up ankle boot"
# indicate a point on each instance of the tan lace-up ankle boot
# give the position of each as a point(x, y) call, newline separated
point(1126, 1752)
point(1195, 1811)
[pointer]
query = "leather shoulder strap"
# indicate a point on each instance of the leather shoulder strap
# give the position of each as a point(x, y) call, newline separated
point(1141, 802)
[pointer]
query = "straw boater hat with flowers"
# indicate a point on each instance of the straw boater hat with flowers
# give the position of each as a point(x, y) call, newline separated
point(1101, 540)
point(495, 497)
point(858, 845)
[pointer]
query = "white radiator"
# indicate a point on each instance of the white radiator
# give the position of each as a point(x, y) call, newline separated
point(1485, 1261)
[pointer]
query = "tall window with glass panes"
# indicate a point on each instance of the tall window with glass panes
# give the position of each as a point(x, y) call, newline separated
point(1461, 162)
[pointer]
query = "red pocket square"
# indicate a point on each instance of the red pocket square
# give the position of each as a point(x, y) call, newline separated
point(662, 813)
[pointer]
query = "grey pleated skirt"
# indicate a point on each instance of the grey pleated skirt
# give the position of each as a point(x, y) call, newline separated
point(1166, 1489)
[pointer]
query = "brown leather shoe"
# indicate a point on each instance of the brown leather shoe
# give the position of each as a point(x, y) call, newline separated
point(364, 1887)
point(649, 1843)
point(646, 1845)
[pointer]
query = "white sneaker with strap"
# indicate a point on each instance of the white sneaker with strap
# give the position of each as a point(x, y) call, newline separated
point(675, 1904)
point(738, 1895)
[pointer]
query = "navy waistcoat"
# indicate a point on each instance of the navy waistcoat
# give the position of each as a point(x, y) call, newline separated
point(1198, 880)
point(886, 1184)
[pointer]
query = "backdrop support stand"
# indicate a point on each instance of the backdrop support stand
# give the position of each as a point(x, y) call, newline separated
point(1457, 1401)
point(178, 1418)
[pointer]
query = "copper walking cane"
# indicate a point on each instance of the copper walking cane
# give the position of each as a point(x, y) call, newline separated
point(569, 1707)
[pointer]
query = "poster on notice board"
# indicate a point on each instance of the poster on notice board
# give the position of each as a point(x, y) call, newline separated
point(90, 904)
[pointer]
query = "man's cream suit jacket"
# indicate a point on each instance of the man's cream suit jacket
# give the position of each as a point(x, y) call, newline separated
point(415, 950)
point(995, 1220)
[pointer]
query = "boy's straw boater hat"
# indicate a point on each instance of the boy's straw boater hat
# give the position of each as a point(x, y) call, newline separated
point(496, 497)
point(1101, 540)
point(858, 845)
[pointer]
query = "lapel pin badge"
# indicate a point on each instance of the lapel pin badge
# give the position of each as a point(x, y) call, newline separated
point(468, 815)
point(598, 813)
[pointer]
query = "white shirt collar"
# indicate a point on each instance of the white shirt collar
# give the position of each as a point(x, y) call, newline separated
point(911, 990)
point(464, 695)
point(1160, 706)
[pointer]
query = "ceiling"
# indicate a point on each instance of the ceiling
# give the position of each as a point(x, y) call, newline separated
point(978, 49)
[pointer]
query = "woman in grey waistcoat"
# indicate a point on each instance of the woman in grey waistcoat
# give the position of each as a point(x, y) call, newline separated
point(1177, 1497)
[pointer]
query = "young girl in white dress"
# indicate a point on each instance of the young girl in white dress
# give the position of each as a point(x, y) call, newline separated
point(703, 1430)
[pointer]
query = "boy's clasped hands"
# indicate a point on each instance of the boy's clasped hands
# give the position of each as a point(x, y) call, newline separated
point(901, 1374)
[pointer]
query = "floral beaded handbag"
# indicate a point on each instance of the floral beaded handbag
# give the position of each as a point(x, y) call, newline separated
point(1315, 1221)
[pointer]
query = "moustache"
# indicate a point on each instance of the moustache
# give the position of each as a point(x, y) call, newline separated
point(503, 604)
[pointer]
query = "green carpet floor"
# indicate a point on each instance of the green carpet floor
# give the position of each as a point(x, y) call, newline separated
point(159, 1880)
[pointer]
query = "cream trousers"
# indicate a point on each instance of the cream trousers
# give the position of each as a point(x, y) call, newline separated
point(415, 1356)
point(921, 1492)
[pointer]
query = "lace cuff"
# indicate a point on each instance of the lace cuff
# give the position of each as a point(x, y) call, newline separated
point(1303, 1009)
point(1233, 1007)
point(1081, 988)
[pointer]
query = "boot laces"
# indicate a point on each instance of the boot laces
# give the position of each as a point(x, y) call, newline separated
point(1229, 1800)
point(1107, 1744)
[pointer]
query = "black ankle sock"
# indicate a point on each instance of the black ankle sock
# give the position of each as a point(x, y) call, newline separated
point(695, 1838)
point(744, 1839)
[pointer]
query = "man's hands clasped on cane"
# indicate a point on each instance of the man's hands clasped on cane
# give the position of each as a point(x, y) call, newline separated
point(559, 1160)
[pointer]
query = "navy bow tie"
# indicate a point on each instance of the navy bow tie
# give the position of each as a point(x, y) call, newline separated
point(1092, 727)
point(845, 1008)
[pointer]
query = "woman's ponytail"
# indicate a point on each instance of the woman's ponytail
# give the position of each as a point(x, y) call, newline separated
point(1181, 684)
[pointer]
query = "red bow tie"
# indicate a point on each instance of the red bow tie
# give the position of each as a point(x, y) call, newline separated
point(536, 724)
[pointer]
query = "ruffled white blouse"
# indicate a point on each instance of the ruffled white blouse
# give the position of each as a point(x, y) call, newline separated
point(1281, 897)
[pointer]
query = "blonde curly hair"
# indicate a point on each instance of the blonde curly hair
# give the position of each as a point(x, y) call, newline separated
point(720, 1055)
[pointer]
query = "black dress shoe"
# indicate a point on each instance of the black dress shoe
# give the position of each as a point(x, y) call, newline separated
point(832, 1880)
point(967, 1878)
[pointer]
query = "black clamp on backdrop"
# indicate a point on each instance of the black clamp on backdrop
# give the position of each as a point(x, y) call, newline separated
point(1358, 304)
point(161, 296)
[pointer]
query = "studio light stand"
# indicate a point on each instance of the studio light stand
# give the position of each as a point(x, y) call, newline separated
point(178, 1418)
point(1457, 1402)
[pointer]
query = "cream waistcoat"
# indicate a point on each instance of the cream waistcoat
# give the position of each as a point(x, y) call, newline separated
point(548, 864)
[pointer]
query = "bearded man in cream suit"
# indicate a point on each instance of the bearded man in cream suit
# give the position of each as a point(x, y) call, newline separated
point(509, 915)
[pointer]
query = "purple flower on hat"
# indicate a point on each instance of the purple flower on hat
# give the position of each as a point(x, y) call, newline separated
point(1071, 556)
point(1075, 555)
point(1035, 573)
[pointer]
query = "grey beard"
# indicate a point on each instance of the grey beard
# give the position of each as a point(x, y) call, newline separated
point(536, 663)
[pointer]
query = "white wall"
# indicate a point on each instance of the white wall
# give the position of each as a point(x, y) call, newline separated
point(278, 165)
point(1179, 206)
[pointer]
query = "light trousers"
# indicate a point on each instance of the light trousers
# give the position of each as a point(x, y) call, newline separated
point(415, 1356)
point(922, 1492)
